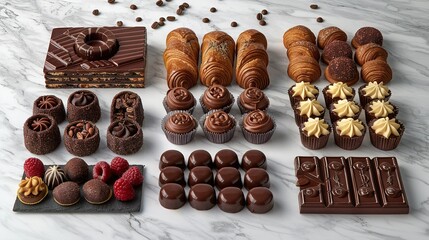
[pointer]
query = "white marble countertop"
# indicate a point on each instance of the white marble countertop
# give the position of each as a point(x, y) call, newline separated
point(25, 28)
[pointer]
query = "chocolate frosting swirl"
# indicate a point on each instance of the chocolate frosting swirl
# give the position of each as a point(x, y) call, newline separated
point(253, 98)
point(181, 122)
point(40, 124)
point(219, 122)
point(258, 122)
point(216, 97)
point(180, 98)
point(82, 98)
point(47, 102)
point(124, 129)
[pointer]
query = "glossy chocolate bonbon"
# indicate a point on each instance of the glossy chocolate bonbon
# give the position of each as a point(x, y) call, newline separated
point(228, 177)
point(202, 196)
point(226, 158)
point(200, 157)
point(259, 200)
point(256, 177)
point(231, 200)
point(172, 158)
point(253, 159)
point(200, 174)
point(171, 174)
point(172, 196)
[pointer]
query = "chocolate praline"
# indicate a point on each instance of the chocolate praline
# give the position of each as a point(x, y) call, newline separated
point(251, 99)
point(256, 177)
point(54, 176)
point(253, 159)
point(228, 177)
point(172, 196)
point(342, 69)
point(50, 105)
point(96, 191)
point(83, 105)
point(202, 196)
point(76, 170)
point(200, 157)
point(124, 137)
point(367, 35)
point(336, 49)
point(226, 158)
point(41, 134)
point(216, 97)
point(81, 138)
point(67, 193)
point(179, 98)
point(259, 200)
point(171, 174)
point(200, 174)
point(172, 158)
point(231, 200)
point(127, 105)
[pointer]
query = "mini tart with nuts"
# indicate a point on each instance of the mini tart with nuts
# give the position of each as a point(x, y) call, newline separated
point(380, 109)
point(372, 91)
point(349, 133)
point(385, 133)
point(314, 133)
point(32, 190)
point(369, 52)
point(81, 138)
point(344, 109)
point(342, 69)
point(298, 33)
point(376, 71)
point(303, 48)
point(302, 91)
point(338, 91)
point(330, 34)
point(304, 69)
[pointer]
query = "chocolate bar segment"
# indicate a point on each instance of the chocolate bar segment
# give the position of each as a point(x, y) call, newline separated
point(366, 195)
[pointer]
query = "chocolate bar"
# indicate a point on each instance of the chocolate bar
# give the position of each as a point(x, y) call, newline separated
point(357, 185)
point(96, 57)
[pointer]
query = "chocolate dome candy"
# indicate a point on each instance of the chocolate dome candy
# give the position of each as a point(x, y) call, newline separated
point(179, 98)
point(256, 177)
point(172, 158)
point(81, 138)
point(124, 137)
point(83, 105)
point(54, 176)
point(67, 193)
point(226, 158)
point(298, 33)
point(50, 105)
point(342, 69)
point(96, 191)
point(41, 134)
point(199, 158)
point(127, 105)
point(253, 159)
point(172, 196)
point(231, 200)
point(179, 127)
point(251, 99)
point(171, 174)
point(336, 49)
point(200, 174)
point(76, 170)
point(330, 34)
point(259, 200)
point(216, 97)
point(367, 35)
point(202, 197)
point(228, 177)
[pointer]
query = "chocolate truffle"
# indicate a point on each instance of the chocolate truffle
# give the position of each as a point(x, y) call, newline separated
point(342, 69)
point(303, 48)
point(81, 138)
point(124, 137)
point(172, 158)
point(330, 34)
point(54, 176)
point(41, 134)
point(302, 91)
point(67, 193)
point(96, 191)
point(380, 109)
point(32, 190)
point(50, 105)
point(367, 35)
point(314, 133)
point(257, 127)
point(226, 158)
point(218, 126)
point(200, 174)
point(259, 200)
point(216, 97)
point(231, 200)
point(76, 170)
point(172, 196)
point(336, 49)
point(179, 127)
point(256, 177)
point(127, 105)
point(83, 105)
point(200, 157)
point(179, 98)
point(228, 177)
point(349, 133)
point(385, 133)
point(376, 71)
point(202, 196)
point(251, 99)
point(338, 91)
point(171, 174)
point(369, 52)
point(253, 159)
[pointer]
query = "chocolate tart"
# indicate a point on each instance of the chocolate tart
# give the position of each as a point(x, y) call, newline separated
point(124, 137)
point(81, 138)
point(311, 141)
point(127, 105)
point(83, 105)
point(50, 105)
point(41, 134)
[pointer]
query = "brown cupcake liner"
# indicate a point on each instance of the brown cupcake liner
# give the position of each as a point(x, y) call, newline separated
point(42, 142)
point(257, 138)
point(383, 143)
point(346, 142)
point(312, 142)
point(294, 100)
point(299, 119)
point(226, 109)
point(334, 117)
point(81, 147)
point(167, 109)
point(58, 112)
point(124, 146)
point(218, 138)
point(364, 100)
point(90, 112)
point(369, 117)
point(138, 109)
point(178, 138)
point(329, 100)
point(244, 110)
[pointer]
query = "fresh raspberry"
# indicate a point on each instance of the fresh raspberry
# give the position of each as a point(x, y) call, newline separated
point(34, 167)
point(134, 176)
point(123, 190)
point(119, 166)
point(102, 171)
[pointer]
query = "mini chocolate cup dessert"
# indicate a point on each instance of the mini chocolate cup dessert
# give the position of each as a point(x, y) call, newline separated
point(124, 137)
point(32, 190)
point(41, 134)
point(306, 109)
point(367, 35)
point(200, 157)
point(349, 133)
point(216, 97)
point(50, 105)
point(256, 177)
point(81, 138)
point(179, 98)
point(96, 191)
point(344, 109)
point(172, 158)
point(172, 196)
point(259, 200)
point(342, 69)
point(376, 71)
point(336, 49)
point(228, 177)
point(76, 170)
point(253, 159)
point(314, 133)
point(171, 174)
point(66, 194)
point(127, 105)
point(218, 126)
point(385, 133)
point(330, 34)
point(373, 91)
point(54, 176)
point(257, 127)
point(302, 91)
point(252, 99)
point(230, 200)
point(303, 48)
point(338, 91)
point(83, 105)
point(200, 174)
point(226, 158)
point(202, 196)
point(179, 127)
point(380, 109)
point(369, 52)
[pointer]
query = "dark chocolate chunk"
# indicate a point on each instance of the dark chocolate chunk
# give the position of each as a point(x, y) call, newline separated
point(200, 174)
point(202, 196)
point(228, 177)
point(199, 158)
point(256, 177)
point(231, 200)
point(259, 200)
point(172, 196)
point(253, 159)
point(172, 158)
point(171, 175)
point(226, 158)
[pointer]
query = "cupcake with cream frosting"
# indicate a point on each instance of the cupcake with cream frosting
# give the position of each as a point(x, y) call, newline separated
point(338, 91)
point(385, 133)
point(302, 91)
point(380, 109)
point(310, 108)
point(372, 91)
point(314, 133)
point(349, 133)
point(344, 109)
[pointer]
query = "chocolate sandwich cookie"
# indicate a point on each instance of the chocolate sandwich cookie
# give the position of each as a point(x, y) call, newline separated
point(127, 105)
point(81, 138)
point(50, 105)
point(41, 134)
point(83, 105)
point(124, 137)
point(66, 194)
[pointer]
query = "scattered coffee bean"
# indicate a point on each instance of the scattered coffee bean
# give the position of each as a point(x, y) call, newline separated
point(206, 20)
point(139, 19)
point(171, 18)
point(179, 11)
point(319, 19)
point(262, 23)
point(133, 6)
point(259, 16)
point(159, 3)
point(213, 9)
point(168, 0)
point(111, 1)
point(160, 23)
point(162, 19)
point(185, 4)
point(264, 12)
point(96, 12)
point(154, 25)
point(234, 24)
point(182, 7)
point(119, 23)
point(314, 6)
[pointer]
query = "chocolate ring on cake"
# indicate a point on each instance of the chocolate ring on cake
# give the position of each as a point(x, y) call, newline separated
point(41, 134)
point(127, 105)
point(95, 44)
point(83, 105)
point(50, 105)
point(124, 137)
point(81, 138)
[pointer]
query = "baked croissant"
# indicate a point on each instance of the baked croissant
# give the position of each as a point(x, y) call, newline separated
point(368, 52)
point(376, 71)
point(252, 60)
point(304, 68)
point(181, 58)
point(298, 33)
point(217, 59)
point(303, 48)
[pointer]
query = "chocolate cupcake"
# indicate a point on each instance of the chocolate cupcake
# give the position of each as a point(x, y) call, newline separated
point(81, 138)
point(304, 110)
point(32, 190)
point(66, 194)
point(373, 91)
point(83, 105)
point(96, 191)
point(50, 105)
point(41, 134)
point(179, 98)
point(252, 98)
point(349, 133)
point(367, 35)
point(54, 176)
point(127, 105)
point(338, 91)
point(257, 126)
point(314, 133)
point(218, 126)
point(330, 34)
point(76, 170)
point(380, 109)
point(302, 91)
point(124, 137)
point(216, 97)
point(385, 133)
point(179, 127)
point(344, 109)
point(342, 69)
point(336, 49)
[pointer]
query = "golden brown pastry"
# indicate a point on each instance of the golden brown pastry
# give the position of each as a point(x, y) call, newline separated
point(376, 71)
point(298, 33)
point(368, 52)
point(304, 68)
point(303, 48)
point(252, 60)
point(330, 34)
point(181, 58)
point(342, 69)
point(217, 59)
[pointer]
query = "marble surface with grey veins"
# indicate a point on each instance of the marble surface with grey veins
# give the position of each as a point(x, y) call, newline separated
point(25, 28)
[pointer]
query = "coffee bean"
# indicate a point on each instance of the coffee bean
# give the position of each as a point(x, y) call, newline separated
point(159, 3)
point(96, 12)
point(79, 124)
point(182, 7)
point(179, 11)
point(162, 19)
point(259, 16)
point(206, 20)
point(160, 23)
point(262, 23)
point(213, 9)
point(185, 4)
point(171, 18)
point(139, 19)
point(119, 23)
point(111, 1)
point(264, 12)
point(71, 133)
point(314, 6)
point(168, 0)
point(133, 6)
point(319, 19)
point(155, 25)
point(234, 24)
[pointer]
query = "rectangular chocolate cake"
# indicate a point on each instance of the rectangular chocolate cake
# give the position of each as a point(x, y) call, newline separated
point(97, 57)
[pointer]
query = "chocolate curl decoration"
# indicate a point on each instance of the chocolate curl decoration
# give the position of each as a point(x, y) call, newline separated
point(252, 60)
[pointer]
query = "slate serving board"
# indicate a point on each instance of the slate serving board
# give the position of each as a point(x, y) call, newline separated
point(48, 205)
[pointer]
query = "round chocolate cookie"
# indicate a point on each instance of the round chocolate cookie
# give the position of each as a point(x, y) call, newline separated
point(199, 157)
point(202, 196)
point(172, 158)
point(179, 127)
point(124, 137)
point(336, 49)
point(76, 170)
point(172, 196)
point(96, 191)
point(67, 193)
point(226, 158)
point(218, 126)
point(253, 159)
point(179, 98)
point(259, 200)
point(83, 105)
point(342, 69)
point(50, 105)
point(251, 99)
point(231, 200)
point(216, 97)
point(41, 134)
point(367, 35)
point(81, 138)
point(257, 126)
point(127, 105)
